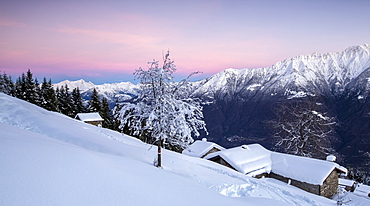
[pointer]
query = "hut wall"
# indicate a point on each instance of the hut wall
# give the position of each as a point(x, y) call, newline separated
point(315, 189)
point(96, 123)
point(214, 149)
point(221, 161)
point(330, 185)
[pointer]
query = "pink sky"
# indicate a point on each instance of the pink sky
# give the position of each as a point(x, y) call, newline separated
point(105, 41)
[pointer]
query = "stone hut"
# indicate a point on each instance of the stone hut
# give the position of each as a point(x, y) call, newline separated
point(91, 118)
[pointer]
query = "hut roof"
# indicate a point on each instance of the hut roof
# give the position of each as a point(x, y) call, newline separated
point(88, 117)
point(200, 147)
point(247, 159)
point(346, 182)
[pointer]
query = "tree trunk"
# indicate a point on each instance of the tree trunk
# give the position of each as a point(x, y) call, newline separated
point(159, 160)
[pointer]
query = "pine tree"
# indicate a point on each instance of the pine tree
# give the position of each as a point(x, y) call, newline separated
point(30, 93)
point(64, 101)
point(20, 87)
point(116, 122)
point(106, 114)
point(49, 100)
point(38, 94)
point(94, 104)
point(77, 102)
point(6, 84)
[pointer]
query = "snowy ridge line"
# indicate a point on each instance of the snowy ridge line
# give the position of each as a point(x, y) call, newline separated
point(302, 72)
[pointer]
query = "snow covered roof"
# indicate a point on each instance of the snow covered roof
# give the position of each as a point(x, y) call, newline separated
point(248, 159)
point(88, 117)
point(304, 169)
point(346, 182)
point(254, 159)
point(200, 148)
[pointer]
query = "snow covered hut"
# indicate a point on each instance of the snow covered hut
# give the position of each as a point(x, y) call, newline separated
point(312, 175)
point(201, 148)
point(91, 118)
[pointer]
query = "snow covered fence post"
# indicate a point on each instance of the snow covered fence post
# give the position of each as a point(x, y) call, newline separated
point(164, 110)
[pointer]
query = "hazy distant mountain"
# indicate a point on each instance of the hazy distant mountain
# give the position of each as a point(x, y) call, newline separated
point(117, 91)
point(238, 103)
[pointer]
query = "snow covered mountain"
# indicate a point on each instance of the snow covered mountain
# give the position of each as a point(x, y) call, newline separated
point(116, 91)
point(316, 73)
point(47, 158)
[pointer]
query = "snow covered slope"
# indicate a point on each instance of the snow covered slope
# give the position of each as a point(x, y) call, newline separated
point(49, 159)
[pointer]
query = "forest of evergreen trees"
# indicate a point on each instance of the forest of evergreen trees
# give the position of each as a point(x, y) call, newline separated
point(59, 100)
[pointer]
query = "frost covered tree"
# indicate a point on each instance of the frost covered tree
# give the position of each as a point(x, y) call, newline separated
point(164, 112)
point(303, 129)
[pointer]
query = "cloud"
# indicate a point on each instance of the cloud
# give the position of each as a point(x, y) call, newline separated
point(4, 22)
point(125, 38)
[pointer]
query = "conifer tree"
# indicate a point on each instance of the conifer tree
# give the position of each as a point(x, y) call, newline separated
point(77, 102)
point(20, 87)
point(94, 104)
point(6, 84)
point(116, 122)
point(37, 94)
point(64, 101)
point(30, 93)
point(106, 114)
point(49, 100)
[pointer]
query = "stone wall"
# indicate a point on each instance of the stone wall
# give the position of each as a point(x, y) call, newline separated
point(315, 189)
point(214, 149)
point(330, 185)
point(96, 123)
